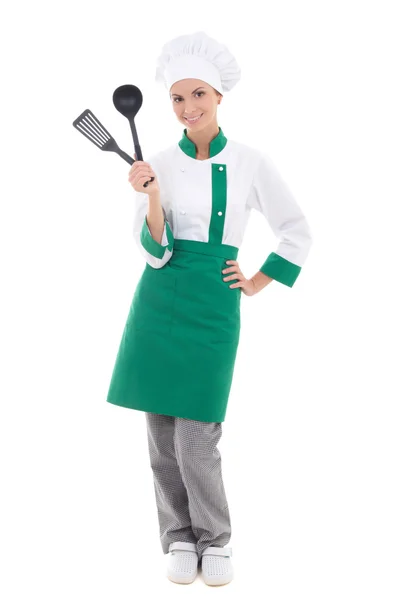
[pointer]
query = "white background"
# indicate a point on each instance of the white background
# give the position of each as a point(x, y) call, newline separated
point(310, 445)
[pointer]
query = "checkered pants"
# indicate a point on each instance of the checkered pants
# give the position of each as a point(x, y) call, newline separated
point(189, 490)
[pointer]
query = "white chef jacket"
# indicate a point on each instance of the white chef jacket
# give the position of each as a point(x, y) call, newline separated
point(252, 182)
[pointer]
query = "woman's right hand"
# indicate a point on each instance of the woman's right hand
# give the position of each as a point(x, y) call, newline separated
point(141, 172)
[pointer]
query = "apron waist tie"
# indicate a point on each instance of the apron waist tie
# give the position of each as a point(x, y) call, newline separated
point(222, 250)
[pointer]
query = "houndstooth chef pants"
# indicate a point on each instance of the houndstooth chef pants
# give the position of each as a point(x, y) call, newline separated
point(189, 490)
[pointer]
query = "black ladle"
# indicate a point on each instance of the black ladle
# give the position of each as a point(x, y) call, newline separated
point(127, 100)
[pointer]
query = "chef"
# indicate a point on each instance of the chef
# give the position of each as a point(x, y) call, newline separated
point(177, 353)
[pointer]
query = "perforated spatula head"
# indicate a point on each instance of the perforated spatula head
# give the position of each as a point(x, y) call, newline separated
point(91, 128)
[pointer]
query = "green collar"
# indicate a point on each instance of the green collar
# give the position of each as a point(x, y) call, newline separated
point(216, 145)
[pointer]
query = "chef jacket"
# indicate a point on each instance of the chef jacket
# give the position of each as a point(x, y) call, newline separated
point(199, 197)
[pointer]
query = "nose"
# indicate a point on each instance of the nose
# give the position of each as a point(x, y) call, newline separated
point(188, 110)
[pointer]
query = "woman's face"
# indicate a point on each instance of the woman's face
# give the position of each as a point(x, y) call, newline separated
point(192, 98)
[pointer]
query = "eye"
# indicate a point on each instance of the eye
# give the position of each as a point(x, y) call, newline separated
point(178, 98)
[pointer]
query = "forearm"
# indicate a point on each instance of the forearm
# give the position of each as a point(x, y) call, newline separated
point(155, 217)
point(261, 280)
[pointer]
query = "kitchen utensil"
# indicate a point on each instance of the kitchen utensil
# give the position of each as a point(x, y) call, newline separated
point(127, 100)
point(91, 128)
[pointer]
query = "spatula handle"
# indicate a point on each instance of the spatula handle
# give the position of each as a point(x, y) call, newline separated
point(147, 182)
point(125, 156)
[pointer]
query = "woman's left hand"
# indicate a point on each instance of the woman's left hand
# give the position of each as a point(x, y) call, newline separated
point(247, 285)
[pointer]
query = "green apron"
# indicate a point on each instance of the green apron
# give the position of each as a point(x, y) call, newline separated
point(178, 348)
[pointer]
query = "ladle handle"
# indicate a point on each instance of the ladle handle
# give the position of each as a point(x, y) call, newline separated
point(139, 156)
point(130, 160)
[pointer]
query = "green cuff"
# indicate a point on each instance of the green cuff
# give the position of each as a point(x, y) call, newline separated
point(150, 244)
point(281, 269)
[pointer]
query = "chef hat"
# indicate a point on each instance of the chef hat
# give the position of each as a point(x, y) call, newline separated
point(197, 56)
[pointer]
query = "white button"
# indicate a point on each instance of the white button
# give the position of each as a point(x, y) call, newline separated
point(220, 213)
point(221, 168)
point(182, 169)
point(183, 212)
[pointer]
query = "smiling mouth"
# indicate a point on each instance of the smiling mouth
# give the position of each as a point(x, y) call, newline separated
point(194, 120)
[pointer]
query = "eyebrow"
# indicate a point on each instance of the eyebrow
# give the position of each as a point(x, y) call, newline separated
point(199, 88)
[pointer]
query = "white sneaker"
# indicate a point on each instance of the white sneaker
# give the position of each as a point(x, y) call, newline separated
point(216, 565)
point(182, 562)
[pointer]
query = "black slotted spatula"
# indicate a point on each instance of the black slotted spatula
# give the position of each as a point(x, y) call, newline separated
point(94, 131)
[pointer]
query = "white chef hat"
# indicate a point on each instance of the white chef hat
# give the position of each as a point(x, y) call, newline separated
point(197, 56)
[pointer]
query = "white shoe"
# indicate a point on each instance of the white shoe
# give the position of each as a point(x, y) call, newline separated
point(216, 565)
point(183, 561)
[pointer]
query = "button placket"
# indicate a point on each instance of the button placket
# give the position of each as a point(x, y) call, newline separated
point(220, 213)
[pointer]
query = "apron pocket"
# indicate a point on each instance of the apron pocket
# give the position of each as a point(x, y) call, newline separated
point(153, 301)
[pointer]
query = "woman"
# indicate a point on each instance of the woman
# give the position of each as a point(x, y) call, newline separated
point(177, 354)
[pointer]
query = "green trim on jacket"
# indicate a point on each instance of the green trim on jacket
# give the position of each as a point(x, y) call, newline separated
point(281, 269)
point(151, 245)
